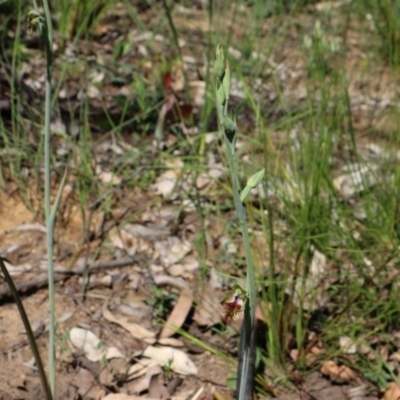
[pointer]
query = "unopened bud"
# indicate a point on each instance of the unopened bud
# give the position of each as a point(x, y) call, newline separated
point(219, 65)
point(229, 126)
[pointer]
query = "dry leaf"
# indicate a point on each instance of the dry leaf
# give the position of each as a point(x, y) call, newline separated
point(91, 345)
point(143, 384)
point(140, 368)
point(30, 227)
point(157, 390)
point(135, 238)
point(171, 342)
point(175, 359)
point(347, 345)
point(96, 282)
point(108, 178)
point(206, 313)
point(166, 280)
point(179, 313)
point(149, 232)
point(123, 240)
point(88, 386)
point(392, 392)
point(123, 396)
point(356, 179)
point(172, 250)
point(357, 393)
point(383, 351)
point(135, 308)
point(337, 374)
point(109, 371)
point(177, 270)
point(136, 330)
point(294, 354)
point(14, 270)
point(395, 356)
point(166, 182)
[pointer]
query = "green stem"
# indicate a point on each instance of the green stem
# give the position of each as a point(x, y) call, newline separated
point(245, 380)
point(251, 280)
point(247, 347)
point(49, 219)
point(46, 31)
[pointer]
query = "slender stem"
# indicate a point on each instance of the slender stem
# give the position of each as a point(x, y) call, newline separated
point(47, 36)
point(49, 219)
point(28, 329)
point(251, 280)
point(245, 379)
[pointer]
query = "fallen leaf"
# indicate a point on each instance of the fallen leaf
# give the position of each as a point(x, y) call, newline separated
point(166, 182)
point(140, 368)
point(358, 393)
point(30, 227)
point(356, 179)
point(15, 270)
point(91, 345)
point(157, 390)
point(107, 177)
point(149, 232)
point(395, 356)
point(165, 280)
point(96, 282)
point(175, 359)
point(336, 373)
point(123, 240)
point(294, 354)
point(172, 250)
point(134, 238)
point(171, 342)
point(136, 309)
point(123, 396)
point(143, 384)
point(88, 387)
point(179, 313)
point(108, 373)
point(136, 330)
point(392, 392)
point(347, 345)
point(206, 313)
point(173, 385)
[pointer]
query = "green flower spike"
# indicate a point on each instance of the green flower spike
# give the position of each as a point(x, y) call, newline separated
point(233, 304)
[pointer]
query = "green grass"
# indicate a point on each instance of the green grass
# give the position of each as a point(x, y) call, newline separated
point(303, 144)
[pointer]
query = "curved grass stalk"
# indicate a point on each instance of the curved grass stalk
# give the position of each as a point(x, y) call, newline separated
point(28, 329)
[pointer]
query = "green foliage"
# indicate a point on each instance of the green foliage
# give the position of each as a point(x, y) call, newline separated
point(385, 18)
point(160, 301)
point(319, 51)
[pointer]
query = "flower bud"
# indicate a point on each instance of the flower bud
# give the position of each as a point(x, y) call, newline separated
point(219, 65)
